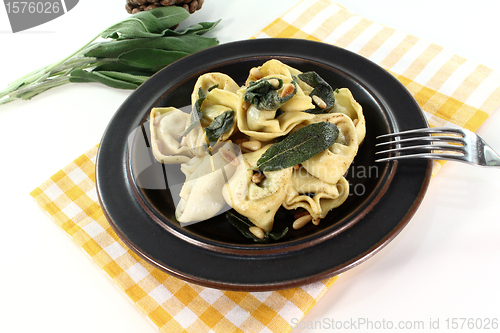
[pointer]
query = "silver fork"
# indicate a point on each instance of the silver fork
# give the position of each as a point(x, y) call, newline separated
point(438, 143)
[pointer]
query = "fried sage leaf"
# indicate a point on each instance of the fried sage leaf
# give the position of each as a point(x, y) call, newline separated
point(197, 114)
point(321, 89)
point(220, 125)
point(243, 225)
point(299, 146)
point(265, 96)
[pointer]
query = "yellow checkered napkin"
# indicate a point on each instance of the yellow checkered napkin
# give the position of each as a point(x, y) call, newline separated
point(173, 305)
point(451, 90)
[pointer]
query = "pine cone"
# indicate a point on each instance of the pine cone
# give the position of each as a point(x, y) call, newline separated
point(135, 6)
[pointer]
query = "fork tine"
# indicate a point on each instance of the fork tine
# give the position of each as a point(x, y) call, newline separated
point(424, 138)
point(432, 130)
point(455, 148)
point(432, 156)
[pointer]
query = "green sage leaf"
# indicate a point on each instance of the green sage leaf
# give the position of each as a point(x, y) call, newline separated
point(188, 43)
point(264, 96)
point(220, 125)
point(321, 89)
point(125, 77)
point(79, 76)
point(119, 67)
point(243, 224)
point(152, 23)
point(150, 58)
point(197, 114)
point(299, 146)
point(195, 29)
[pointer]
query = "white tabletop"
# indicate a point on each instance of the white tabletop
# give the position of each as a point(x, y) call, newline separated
point(443, 265)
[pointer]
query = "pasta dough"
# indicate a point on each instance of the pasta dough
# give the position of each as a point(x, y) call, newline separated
point(345, 103)
point(314, 195)
point(258, 202)
point(201, 195)
point(220, 96)
point(331, 164)
point(265, 125)
point(166, 125)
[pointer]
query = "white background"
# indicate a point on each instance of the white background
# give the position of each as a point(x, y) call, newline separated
point(445, 264)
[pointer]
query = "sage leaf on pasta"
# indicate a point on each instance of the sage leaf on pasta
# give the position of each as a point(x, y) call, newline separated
point(265, 96)
point(243, 224)
point(220, 125)
point(196, 113)
point(298, 146)
point(321, 89)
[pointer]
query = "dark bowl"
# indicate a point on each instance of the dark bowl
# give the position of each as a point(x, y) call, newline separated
point(134, 189)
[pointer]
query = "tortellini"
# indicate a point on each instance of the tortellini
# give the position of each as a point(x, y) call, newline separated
point(331, 164)
point(220, 96)
point(245, 121)
point(166, 126)
point(258, 201)
point(201, 195)
point(314, 195)
point(345, 103)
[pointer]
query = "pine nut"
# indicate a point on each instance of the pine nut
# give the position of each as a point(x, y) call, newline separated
point(240, 141)
point(316, 220)
point(257, 177)
point(319, 102)
point(245, 106)
point(258, 232)
point(245, 151)
point(274, 82)
point(256, 73)
point(355, 122)
point(287, 90)
point(300, 214)
point(301, 221)
point(251, 145)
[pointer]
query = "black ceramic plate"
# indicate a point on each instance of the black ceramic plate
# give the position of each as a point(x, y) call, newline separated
point(133, 188)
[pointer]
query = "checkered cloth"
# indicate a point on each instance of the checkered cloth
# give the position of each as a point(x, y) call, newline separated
point(451, 90)
point(173, 305)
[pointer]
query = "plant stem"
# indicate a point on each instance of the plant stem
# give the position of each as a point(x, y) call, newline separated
point(42, 79)
point(59, 77)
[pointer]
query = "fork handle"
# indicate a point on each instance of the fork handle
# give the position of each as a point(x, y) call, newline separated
point(491, 157)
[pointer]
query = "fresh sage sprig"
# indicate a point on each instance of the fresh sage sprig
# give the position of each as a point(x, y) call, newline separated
point(123, 56)
point(299, 146)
